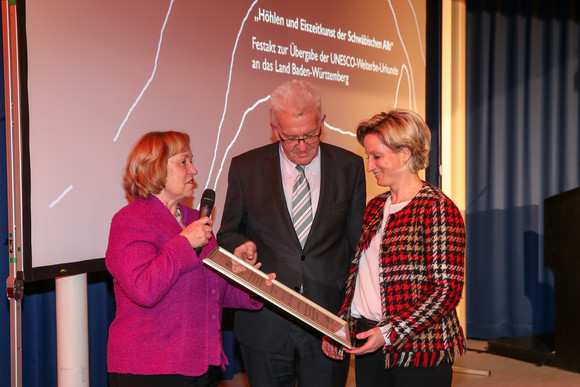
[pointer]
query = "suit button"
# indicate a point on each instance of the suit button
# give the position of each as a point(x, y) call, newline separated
point(303, 257)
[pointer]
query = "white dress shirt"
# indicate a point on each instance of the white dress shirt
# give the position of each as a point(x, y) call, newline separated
point(367, 292)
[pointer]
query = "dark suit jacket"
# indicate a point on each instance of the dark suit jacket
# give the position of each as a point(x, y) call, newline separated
point(255, 209)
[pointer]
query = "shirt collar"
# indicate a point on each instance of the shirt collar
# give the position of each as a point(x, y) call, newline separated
point(290, 167)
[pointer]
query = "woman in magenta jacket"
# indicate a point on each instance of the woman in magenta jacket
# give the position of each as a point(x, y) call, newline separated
point(167, 327)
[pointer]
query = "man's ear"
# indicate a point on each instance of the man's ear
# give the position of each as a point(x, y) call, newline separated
point(274, 131)
point(322, 123)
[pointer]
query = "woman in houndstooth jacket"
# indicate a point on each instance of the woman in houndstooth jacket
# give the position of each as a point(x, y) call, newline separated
point(407, 275)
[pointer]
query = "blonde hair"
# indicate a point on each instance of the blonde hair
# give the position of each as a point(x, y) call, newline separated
point(400, 129)
point(146, 168)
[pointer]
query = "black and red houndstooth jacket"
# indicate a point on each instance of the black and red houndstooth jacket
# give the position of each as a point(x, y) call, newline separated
point(421, 275)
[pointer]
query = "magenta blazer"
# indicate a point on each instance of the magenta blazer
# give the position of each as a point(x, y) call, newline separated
point(169, 304)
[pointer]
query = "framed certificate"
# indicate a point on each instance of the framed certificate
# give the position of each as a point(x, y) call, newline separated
point(279, 294)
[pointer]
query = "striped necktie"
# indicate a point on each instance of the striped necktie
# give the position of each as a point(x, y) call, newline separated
point(301, 206)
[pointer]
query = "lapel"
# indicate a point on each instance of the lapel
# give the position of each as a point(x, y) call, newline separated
point(325, 184)
point(273, 181)
point(326, 178)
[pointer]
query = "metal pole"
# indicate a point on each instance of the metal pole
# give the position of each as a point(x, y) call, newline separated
point(14, 283)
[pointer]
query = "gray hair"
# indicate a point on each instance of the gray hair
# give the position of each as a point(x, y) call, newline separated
point(295, 95)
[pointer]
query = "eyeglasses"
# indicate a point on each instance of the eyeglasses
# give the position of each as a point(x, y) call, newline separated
point(310, 139)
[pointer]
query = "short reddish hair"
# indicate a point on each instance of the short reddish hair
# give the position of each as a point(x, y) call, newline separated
point(146, 169)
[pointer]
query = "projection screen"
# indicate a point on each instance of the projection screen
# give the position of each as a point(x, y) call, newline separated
point(98, 75)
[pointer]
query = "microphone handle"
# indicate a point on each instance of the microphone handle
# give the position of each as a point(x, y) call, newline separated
point(203, 211)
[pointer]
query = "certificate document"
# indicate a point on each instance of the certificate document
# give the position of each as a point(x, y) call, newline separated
point(279, 294)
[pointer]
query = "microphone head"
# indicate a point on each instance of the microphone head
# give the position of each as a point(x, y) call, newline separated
point(208, 198)
point(205, 208)
point(206, 202)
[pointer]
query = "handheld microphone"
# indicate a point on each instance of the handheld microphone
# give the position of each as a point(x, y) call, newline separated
point(205, 207)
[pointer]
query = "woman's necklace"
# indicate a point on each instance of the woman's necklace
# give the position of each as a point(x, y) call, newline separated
point(178, 215)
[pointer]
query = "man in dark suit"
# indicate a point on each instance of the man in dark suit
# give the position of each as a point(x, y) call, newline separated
point(262, 200)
